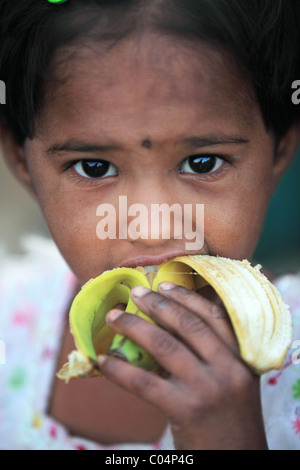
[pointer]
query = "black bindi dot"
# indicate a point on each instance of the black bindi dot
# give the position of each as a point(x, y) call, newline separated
point(147, 144)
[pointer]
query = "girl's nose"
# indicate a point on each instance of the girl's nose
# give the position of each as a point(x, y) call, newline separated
point(155, 224)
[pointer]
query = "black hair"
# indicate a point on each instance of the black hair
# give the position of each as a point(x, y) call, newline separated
point(262, 35)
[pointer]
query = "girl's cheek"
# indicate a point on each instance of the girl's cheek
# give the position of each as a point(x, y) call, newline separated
point(233, 224)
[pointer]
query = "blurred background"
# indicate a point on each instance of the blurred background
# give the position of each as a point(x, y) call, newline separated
point(278, 250)
point(19, 213)
point(279, 247)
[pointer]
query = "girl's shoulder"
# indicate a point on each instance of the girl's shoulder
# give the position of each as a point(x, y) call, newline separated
point(35, 252)
point(35, 289)
point(31, 277)
point(281, 389)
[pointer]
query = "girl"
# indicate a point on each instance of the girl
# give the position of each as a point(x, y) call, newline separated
point(161, 101)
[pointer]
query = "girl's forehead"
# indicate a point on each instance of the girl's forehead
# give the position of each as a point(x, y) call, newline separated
point(146, 82)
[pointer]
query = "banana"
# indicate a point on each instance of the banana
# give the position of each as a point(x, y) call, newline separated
point(259, 317)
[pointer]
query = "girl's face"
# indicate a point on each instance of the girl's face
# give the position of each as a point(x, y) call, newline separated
point(145, 107)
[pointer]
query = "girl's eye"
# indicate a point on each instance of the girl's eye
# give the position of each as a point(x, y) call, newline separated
point(201, 164)
point(94, 169)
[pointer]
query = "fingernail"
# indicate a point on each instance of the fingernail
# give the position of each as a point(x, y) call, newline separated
point(166, 285)
point(140, 291)
point(113, 315)
point(100, 360)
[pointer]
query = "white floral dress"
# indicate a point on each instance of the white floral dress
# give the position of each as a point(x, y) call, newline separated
point(35, 291)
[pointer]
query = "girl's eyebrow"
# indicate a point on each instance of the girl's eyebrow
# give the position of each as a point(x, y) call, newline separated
point(78, 146)
point(83, 147)
point(214, 140)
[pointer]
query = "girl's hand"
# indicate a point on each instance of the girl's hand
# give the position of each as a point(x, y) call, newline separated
point(210, 397)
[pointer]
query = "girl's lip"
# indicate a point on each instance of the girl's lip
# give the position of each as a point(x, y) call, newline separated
point(152, 260)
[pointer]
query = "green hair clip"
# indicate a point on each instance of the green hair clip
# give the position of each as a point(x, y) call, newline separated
point(57, 1)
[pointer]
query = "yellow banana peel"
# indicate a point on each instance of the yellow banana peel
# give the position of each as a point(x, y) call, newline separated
point(260, 318)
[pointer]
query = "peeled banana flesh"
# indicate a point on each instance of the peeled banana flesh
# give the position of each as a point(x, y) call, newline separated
point(259, 317)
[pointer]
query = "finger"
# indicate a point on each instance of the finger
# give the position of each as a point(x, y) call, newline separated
point(169, 352)
point(148, 386)
point(211, 311)
point(182, 323)
point(120, 307)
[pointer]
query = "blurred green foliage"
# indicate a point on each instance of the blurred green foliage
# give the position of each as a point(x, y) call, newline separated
point(279, 246)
